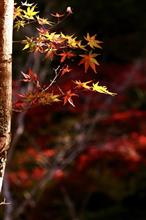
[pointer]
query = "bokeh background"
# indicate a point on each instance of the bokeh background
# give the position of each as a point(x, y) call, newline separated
point(87, 162)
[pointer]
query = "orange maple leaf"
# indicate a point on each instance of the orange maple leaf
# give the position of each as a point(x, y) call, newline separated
point(89, 60)
point(83, 84)
point(66, 55)
point(68, 97)
point(17, 12)
point(92, 42)
point(50, 52)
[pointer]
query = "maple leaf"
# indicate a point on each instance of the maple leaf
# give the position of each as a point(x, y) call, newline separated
point(17, 12)
point(101, 89)
point(38, 46)
point(26, 77)
point(89, 61)
point(30, 12)
point(50, 53)
point(65, 70)
point(19, 24)
point(65, 55)
point(29, 43)
point(39, 98)
point(79, 44)
point(47, 98)
point(92, 42)
point(31, 77)
point(44, 21)
point(53, 37)
point(83, 84)
point(68, 97)
point(42, 31)
point(65, 36)
point(57, 15)
point(26, 4)
point(72, 42)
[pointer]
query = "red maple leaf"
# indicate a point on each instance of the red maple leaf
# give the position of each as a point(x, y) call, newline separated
point(68, 97)
point(67, 55)
point(65, 70)
point(31, 77)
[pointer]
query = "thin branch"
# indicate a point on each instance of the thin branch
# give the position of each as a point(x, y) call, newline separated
point(70, 205)
point(54, 79)
point(8, 197)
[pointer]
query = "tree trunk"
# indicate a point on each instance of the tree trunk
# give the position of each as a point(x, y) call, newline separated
point(6, 29)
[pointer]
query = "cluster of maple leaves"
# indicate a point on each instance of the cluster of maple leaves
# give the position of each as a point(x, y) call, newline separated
point(66, 48)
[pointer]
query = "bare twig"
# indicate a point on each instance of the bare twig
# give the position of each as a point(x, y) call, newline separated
point(70, 205)
point(54, 79)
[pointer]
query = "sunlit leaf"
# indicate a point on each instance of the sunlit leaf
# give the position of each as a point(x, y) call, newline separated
point(101, 89)
point(80, 45)
point(88, 60)
point(17, 12)
point(30, 12)
point(92, 42)
point(44, 21)
point(66, 54)
point(72, 42)
point(29, 43)
point(68, 97)
point(50, 52)
point(83, 84)
point(18, 24)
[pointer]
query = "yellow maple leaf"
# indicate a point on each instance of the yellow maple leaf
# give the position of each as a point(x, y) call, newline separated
point(101, 89)
point(18, 24)
point(80, 45)
point(41, 98)
point(43, 21)
point(66, 36)
point(89, 61)
point(92, 41)
point(29, 43)
point(72, 42)
point(30, 12)
point(50, 97)
point(54, 37)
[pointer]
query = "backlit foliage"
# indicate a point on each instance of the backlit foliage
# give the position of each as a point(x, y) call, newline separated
point(66, 50)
